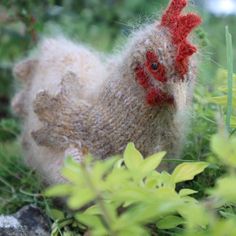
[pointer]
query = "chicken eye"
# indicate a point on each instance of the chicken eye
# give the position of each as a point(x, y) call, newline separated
point(154, 66)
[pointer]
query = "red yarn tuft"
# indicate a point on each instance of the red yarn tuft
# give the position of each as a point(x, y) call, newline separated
point(142, 77)
point(159, 73)
point(154, 96)
point(173, 12)
point(185, 50)
point(157, 97)
point(185, 24)
point(180, 27)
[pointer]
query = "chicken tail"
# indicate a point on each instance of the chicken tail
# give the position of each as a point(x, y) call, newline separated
point(23, 71)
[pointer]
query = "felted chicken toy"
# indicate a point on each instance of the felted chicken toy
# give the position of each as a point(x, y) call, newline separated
point(74, 102)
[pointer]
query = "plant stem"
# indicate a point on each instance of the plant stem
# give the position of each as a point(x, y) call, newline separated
point(8, 185)
point(229, 50)
point(106, 215)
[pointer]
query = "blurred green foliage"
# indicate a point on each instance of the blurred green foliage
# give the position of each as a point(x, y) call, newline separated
point(127, 196)
point(16, 185)
point(121, 196)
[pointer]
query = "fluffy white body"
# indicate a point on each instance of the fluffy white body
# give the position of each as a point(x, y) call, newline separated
point(56, 58)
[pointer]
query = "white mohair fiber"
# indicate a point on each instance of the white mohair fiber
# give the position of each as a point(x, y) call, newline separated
point(55, 59)
point(73, 102)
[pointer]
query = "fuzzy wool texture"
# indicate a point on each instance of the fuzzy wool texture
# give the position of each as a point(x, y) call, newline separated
point(74, 102)
point(57, 60)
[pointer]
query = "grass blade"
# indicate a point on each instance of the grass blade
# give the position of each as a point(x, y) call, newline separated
point(229, 50)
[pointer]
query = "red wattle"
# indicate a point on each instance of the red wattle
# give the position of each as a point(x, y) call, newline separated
point(157, 97)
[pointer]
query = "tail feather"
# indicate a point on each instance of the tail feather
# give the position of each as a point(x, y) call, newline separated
point(24, 69)
point(18, 104)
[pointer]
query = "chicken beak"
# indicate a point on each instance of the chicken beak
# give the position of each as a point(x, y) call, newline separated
point(182, 101)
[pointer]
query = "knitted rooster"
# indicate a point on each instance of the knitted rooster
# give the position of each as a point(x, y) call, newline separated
point(73, 102)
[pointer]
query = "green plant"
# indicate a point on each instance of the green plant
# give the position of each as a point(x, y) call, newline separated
point(220, 204)
point(18, 184)
point(127, 196)
point(222, 98)
point(9, 129)
point(228, 87)
point(120, 196)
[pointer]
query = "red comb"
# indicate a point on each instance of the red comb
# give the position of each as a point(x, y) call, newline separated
point(180, 27)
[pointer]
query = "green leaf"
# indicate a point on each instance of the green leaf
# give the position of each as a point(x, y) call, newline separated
point(80, 197)
point(117, 179)
point(59, 190)
point(55, 229)
point(166, 180)
point(224, 148)
point(101, 168)
point(221, 100)
point(133, 230)
point(132, 157)
point(55, 214)
point(222, 75)
point(119, 163)
point(152, 162)
point(225, 227)
point(93, 210)
point(225, 89)
point(188, 200)
point(152, 180)
point(72, 172)
point(187, 171)
point(93, 222)
point(58, 225)
point(186, 192)
point(227, 214)
point(131, 193)
point(170, 222)
point(233, 120)
point(194, 214)
point(150, 208)
point(225, 189)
